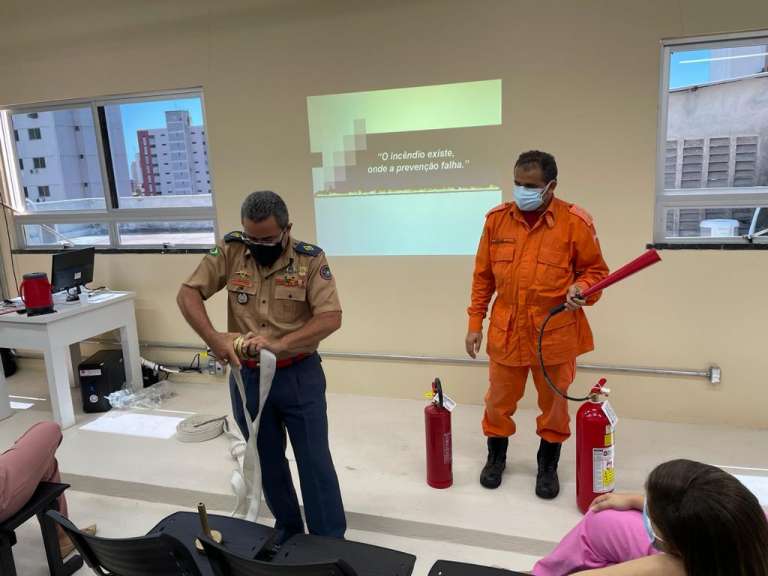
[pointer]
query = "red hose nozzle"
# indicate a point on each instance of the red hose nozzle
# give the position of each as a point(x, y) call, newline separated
point(643, 261)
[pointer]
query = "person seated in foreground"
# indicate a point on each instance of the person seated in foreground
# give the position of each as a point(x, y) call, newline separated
point(694, 520)
point(31, 460)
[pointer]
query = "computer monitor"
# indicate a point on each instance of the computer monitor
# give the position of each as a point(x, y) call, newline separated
point(72, 269)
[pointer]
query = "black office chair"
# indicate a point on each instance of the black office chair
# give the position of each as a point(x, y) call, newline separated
point(226, 563)
point(245, 538)
point(45, 498)
point(364, 559)
point(156, 554)
point(447, 568)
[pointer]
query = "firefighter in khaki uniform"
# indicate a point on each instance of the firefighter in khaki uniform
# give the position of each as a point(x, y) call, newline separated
point(282, 295)
point(534, 253)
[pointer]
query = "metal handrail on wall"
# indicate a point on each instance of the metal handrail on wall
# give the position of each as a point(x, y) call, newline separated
point(712, 373)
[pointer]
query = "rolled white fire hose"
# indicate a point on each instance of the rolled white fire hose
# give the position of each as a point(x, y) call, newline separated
point(203, 427)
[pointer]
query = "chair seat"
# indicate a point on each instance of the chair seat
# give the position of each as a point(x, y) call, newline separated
point(44, 498)
point(365, 559)
point(46, 493)
point(448, 568)
point(245, 538)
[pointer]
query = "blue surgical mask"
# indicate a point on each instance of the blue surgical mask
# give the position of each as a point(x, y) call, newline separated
point(656, 542)
point(529, 199)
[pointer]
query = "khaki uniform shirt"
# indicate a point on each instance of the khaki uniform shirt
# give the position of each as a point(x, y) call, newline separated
point(273, 301)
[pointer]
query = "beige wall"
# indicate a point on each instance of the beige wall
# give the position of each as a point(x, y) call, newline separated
point(580, 80)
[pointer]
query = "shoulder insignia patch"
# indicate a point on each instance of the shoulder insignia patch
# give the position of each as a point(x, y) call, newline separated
point(235, 236)
point(215, 251)
point(307, 249)
point(581, 213)
point(498, 208)
point(325, 272)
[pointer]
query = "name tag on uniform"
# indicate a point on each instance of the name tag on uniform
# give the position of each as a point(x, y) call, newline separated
point(242, 279)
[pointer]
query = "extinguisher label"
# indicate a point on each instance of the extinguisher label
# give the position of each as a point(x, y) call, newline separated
point(609, 413)
point(447, 448)
point(603, 474)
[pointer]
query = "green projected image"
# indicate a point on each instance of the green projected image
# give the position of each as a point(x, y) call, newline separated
point(408, 171)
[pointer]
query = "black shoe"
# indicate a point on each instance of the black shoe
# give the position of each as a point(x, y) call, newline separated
point(547, 483)
point(490, 477)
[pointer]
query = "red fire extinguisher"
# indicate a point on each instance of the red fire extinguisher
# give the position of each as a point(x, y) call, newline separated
point(595, 427)
point(437, 423)
point(596, 420)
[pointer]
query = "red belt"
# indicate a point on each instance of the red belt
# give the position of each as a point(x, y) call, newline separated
point(283, 363)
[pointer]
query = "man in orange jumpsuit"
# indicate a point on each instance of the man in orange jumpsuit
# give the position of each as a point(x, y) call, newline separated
point(534, 254)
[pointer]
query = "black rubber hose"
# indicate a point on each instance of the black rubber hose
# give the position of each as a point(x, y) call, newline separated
point(439, 390)
point(555, 389)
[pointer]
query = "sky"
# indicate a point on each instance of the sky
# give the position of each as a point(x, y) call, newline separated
point(682, 73)
point(151, 115)
point(696, 67)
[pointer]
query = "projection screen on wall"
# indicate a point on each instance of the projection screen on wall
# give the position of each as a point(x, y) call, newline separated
point(407, 171)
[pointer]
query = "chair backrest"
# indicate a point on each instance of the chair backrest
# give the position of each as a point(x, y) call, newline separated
point(156, 554)
point(225, 563)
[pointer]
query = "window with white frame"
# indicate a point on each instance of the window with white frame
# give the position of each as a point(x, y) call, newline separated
point(712, 169)
point(92, 174)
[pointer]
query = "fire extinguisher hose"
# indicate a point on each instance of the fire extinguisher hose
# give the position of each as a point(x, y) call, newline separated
point(555, 389)
point(643, 261)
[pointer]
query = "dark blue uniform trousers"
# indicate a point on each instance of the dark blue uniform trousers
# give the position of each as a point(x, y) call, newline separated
point(296, 402)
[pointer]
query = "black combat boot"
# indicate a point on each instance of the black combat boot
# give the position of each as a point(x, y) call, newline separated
point(547, 483)
point(490, 477)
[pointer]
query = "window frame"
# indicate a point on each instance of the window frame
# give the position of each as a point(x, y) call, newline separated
point(714, 197)
point(112, 215)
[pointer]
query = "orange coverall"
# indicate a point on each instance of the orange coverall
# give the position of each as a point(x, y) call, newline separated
point(530, 270)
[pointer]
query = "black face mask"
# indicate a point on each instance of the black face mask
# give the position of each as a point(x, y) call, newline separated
point(266, 254)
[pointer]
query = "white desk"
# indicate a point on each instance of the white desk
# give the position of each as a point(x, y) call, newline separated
point(59, 335)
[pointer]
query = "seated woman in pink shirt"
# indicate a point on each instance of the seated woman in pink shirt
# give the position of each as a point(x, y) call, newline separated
point(694, 520)
point(31, 460)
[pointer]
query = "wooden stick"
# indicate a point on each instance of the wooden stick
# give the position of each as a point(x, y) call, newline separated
point(204, 519)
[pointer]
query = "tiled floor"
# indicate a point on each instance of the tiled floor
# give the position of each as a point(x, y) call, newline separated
point(127, 483)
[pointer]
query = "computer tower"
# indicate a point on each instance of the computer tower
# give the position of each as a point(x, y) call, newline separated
point(100, 375)
point(9, 361)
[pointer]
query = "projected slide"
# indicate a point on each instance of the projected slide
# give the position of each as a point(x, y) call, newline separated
point(409, 171)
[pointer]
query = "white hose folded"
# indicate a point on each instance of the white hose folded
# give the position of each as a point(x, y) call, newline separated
point(246, 479)
point(246, 482)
